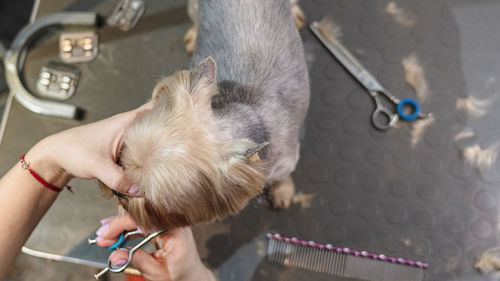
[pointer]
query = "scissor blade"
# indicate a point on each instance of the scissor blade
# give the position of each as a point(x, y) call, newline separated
point(147, 239)
point(348, 61)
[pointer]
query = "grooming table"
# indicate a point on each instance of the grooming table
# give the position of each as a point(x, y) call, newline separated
point(375, 192)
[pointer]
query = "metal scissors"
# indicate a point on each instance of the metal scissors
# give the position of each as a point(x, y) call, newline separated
point(122, 240)
point(382, 117)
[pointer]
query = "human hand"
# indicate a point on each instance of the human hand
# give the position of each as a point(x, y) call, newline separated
point(176, 259)
point(88, 151)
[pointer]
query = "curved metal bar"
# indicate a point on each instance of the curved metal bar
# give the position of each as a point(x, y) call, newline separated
point(56, 257)
point(14, 61)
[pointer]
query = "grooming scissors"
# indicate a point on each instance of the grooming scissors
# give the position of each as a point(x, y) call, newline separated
point(374, 88)
point(117, 246)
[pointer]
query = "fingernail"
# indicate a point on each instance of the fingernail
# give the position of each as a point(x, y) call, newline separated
point(120, 262)
point(140, 230)
point(135, 191)
point(106, 220)
point(102, 229)
point(98, 239)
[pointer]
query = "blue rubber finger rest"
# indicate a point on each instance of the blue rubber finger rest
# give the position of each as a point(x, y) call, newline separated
point(410, 103)
point(118, 243)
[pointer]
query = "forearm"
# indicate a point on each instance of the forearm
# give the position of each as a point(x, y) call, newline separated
point(23, 203)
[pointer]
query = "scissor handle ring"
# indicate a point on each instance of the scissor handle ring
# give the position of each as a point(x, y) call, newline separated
point(391, 117)
point(111, 266)
point(410, 103)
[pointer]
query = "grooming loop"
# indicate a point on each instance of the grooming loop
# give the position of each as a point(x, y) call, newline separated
point(343, 262)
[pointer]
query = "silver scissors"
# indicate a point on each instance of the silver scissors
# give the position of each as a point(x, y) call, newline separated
point(117, 246)
point(374, 88)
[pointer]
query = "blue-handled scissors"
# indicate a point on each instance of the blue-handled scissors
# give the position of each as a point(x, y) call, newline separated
point(407, 109)
point(118, 245)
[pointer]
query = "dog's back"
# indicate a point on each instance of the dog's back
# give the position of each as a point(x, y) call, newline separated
point(190, 154)
point(260, 63)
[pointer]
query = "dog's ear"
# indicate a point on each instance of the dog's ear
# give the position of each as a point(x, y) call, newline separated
point(159, 90)
point(206, 68)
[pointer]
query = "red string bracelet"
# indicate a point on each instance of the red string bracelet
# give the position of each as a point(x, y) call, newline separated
point(25, 165)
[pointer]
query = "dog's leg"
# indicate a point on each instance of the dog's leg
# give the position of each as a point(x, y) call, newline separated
point(298, 14)
point(282, 192)
point(190, 37)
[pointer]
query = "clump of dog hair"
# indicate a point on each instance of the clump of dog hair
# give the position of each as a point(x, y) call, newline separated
point(298, 15)
point(414, 75)
point(399, 15)
point(488, 261)
point(330, 30)
point(472, 106)
point(464, 134)
point(186, 171)
point(479, 158)
point(418, 129)
point(303, 200)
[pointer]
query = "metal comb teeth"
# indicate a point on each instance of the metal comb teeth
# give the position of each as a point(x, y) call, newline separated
point(342, 262)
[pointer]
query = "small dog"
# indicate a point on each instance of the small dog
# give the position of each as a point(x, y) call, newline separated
point(219, 132)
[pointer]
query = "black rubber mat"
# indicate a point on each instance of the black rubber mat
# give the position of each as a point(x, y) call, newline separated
point(375, 191)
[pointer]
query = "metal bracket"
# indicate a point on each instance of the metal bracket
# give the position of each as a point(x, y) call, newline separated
point(78, 46)
point(14, 62)
point(57, 81)
point(126, 14)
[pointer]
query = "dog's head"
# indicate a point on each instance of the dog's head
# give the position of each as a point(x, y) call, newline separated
point(186, 171)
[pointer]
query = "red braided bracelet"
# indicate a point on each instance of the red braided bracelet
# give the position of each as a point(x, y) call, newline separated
point(25, 165)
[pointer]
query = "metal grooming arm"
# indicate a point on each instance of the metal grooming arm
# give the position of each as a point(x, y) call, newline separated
point(14, 61)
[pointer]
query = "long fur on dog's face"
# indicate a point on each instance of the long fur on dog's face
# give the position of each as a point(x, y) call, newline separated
point(186, 171)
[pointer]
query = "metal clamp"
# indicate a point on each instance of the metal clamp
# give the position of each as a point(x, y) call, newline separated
point(14, 62)
point(78, 46)
point(126, 14)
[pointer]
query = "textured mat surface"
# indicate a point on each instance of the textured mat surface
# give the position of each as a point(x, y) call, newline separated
point(375, 191)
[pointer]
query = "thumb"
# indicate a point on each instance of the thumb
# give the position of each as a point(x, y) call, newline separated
point(147, 264)
point(115, 178)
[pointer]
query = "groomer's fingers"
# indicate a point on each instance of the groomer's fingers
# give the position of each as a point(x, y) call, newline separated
point(147, 106)
point(148, 265)
point(142, 260)
point(126, 118)
point(119, 257)
point(113, 176)
point(109, 232)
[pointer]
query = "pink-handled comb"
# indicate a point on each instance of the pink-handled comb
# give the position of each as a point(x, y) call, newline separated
point(342, 262)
